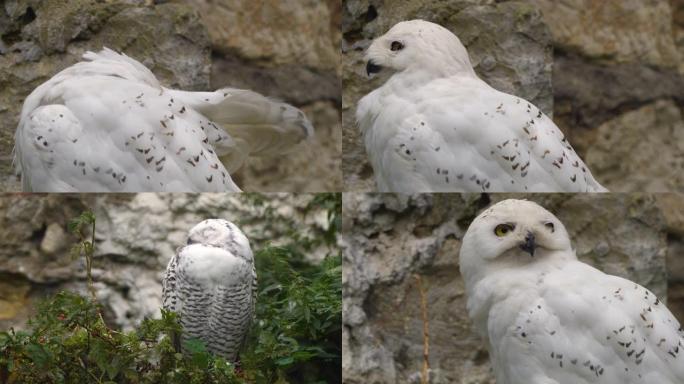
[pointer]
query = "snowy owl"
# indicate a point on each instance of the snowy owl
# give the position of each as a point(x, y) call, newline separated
point(212, 284)
point(434, 126)
point(107, 125)
point(548, 318)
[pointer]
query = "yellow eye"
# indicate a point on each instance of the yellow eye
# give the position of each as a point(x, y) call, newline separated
point(503, 229)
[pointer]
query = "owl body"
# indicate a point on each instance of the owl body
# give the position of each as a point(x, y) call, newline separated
point(211, 284)
point(107, 125)
point(548, 318)
point(435, 126)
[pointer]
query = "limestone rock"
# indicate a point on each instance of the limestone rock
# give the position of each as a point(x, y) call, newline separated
point(613, 60)
point(641, 150)
point(509, 46)
point(275, 31)
point(388, 240)
point(615, 31)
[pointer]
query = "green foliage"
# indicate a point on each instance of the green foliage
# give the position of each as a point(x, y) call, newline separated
point(332, 204)
point(295, 339)
point(69, 343)
point(83, 246)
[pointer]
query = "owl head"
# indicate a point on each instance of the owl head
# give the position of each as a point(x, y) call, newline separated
point(510, 233)
point(418, 45)
point(219, 233)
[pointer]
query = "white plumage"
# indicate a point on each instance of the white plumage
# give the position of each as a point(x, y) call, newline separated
point(548, 318)
point(212, 284)
point(107, 125)
point(435, 126)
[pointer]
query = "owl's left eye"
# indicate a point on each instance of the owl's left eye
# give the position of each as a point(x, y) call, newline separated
point(550, 226)
point(397, 46)
point(503, 229)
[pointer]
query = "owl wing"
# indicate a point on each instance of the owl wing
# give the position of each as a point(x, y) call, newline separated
point(529, 145)
point(462, 135)
point(169, 289)
point(134, 137)
point(258, 125)
point(595, 328)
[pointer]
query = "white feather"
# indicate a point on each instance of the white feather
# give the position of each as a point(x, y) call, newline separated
point(107, 125)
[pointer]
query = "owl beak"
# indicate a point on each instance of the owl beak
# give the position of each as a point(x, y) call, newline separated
point(529, 245)
point(372, 68)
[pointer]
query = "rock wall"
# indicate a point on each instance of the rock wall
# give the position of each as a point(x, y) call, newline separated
point(192, 45)
point(136, 235)
point(390, 240)
point(618, 71)
point(614, 82)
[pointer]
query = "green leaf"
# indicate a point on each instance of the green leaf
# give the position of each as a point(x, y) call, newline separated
point(194, 346)
point(287, 360)
point(38, 355)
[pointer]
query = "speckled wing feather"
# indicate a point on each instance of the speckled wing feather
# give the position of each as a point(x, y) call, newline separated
point(106, 125)
point(459, 134)
point(604, 330)
point(258, 125)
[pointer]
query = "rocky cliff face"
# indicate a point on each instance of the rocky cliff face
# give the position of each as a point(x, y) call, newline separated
point(136, 235)
point(391, 241)
point(287, 50)
point(614, 82)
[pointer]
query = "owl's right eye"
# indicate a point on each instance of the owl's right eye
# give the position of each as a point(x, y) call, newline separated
point(396, 46)
point(503, 229)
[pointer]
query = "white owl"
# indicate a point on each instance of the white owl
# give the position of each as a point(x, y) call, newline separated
point(211, 284)
point(107, 125)
point(548, 318)
point(434, 126)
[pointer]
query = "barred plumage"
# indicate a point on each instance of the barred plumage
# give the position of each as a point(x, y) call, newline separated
point(211, 283)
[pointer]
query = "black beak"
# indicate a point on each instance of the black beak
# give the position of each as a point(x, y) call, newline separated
point(529, 245)
point(372, 68)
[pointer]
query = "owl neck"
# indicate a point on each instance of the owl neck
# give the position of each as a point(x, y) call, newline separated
point(511, 277)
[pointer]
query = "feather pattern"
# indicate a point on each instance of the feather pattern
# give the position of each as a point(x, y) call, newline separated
point(107, 125)
point(211, 283)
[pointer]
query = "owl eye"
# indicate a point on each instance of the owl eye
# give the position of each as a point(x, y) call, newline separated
point(503, 229)
point(397, 46)
point(550, 226)
point(191, 241)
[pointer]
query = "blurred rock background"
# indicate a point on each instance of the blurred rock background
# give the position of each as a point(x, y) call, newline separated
point(136, 236)
point(389, 239)
point(611, 73)
point(284, 49)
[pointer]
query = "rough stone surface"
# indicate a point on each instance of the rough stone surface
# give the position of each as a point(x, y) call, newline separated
point(136, 235)
point(182, 45)
point(275, 31)
point(390, 240)
point(615, 61)
point(622, 147)
point(288, 50)
point(615, 31)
